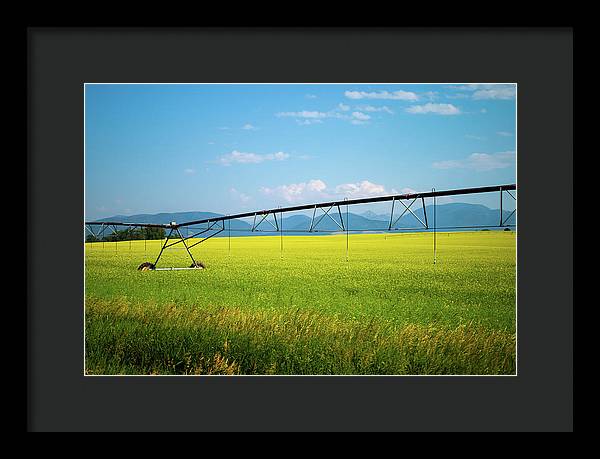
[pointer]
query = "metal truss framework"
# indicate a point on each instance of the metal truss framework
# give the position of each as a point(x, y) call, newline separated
point(216, 225)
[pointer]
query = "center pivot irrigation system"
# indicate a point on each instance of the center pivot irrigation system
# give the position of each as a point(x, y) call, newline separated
point(216, 225)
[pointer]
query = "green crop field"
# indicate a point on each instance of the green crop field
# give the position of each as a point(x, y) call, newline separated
point(387, 310)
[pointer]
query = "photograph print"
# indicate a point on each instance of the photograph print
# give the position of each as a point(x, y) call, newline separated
point(300, 229)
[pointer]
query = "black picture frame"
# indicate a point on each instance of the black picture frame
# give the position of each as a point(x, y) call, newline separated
point(61, 60)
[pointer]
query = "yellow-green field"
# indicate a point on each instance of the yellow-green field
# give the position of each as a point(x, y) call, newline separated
point(388, 310)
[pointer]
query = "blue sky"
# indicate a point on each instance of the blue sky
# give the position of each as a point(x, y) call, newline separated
point(230, 148)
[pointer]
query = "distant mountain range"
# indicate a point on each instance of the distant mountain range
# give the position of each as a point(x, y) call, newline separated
point(453, 215)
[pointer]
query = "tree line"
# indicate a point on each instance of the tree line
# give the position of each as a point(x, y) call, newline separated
point(129, 235)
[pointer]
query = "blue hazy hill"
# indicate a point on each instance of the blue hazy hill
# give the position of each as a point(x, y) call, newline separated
point(453, 215)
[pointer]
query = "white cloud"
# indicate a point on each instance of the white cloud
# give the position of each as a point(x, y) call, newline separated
point(307, 117)
point(295, 192)
point(249, 127)
point(311, 96)
point(496, 93)
point(370, 108)
point(341, 112)
point(235, 194)
point(211, 143)
point(279, 156)
point(304, 114)
point(250, 158)
point(306, 122)
point(360, 189)
point(317, 190)
point(189, 171)
point(407, 190)
point(438, 109)
point(394, 95)
point(489, 91)
point(480, 162)
point(316, 185)
point(361, 116)
point(504, 134)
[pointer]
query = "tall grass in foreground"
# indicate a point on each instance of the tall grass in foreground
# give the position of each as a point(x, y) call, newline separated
point(143, 339)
